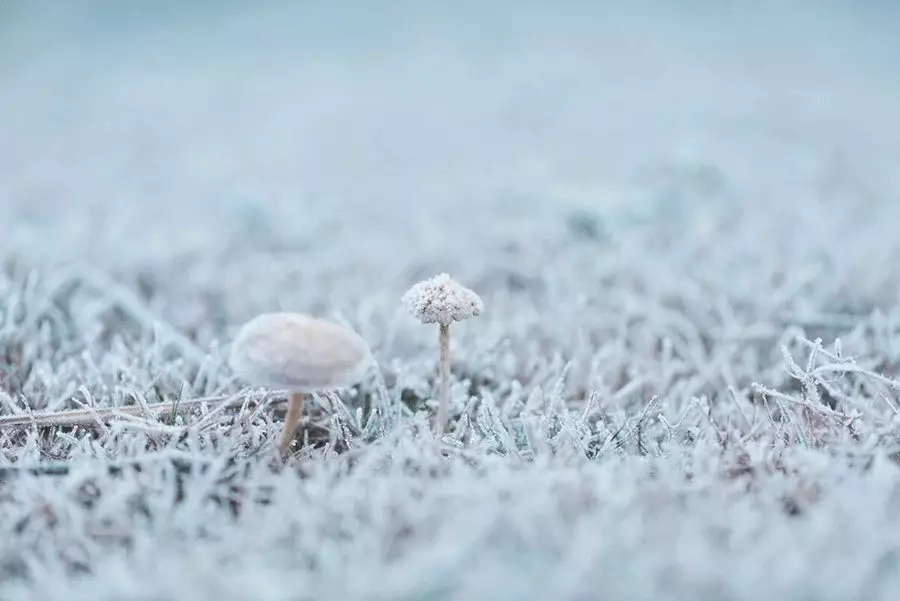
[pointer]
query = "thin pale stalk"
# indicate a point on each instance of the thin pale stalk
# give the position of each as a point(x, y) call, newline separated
point(444, 397)
point(291, 420)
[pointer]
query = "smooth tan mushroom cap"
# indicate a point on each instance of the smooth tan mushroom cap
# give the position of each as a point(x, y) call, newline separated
point(442, 300)
point(299, 352)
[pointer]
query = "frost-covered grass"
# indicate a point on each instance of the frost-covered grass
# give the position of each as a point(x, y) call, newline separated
point(684, 382)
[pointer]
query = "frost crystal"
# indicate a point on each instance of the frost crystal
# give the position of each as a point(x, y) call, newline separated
point(442, 300)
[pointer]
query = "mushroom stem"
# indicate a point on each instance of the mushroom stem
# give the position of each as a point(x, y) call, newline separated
point(444, 398)
point(291, 420)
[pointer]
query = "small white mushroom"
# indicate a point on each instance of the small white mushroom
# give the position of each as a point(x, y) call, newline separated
point(442, 300)
point(300, 353)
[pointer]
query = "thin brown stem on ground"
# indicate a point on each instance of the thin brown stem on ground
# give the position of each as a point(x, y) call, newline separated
point(95, 415)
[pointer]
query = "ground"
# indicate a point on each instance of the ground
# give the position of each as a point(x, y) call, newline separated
point(682, 223)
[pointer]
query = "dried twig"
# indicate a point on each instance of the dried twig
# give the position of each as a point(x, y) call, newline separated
point(87, 417)
point(774, 394)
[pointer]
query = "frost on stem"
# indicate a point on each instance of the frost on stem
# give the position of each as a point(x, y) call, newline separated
point(442, 300)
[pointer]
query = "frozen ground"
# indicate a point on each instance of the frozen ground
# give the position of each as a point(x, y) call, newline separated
point(664, 211)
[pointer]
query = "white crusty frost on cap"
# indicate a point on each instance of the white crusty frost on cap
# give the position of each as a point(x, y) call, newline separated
point(442, 300)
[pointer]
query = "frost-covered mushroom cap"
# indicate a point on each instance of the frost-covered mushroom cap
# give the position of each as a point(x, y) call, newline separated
point(442, 300)
point(299, 352)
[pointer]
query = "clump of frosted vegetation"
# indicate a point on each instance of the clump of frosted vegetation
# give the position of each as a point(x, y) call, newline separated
point(642, 421)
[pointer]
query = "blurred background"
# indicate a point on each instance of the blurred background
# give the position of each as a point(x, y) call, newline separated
point(391, 140)
point(419, 101)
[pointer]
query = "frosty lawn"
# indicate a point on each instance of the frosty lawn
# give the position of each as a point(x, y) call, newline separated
point(683, 384)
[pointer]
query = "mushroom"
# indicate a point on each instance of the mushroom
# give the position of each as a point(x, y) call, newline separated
point(442, 300)
point(300, 353)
